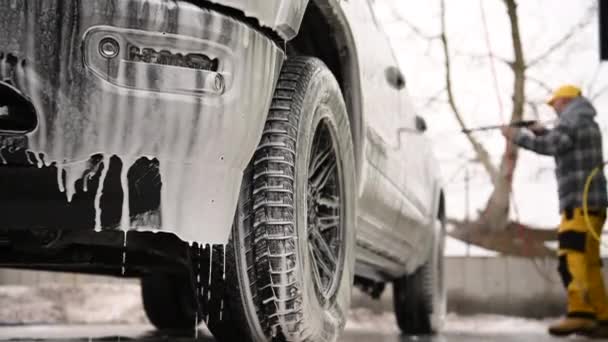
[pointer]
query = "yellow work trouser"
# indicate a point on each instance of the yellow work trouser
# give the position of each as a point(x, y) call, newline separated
point(580, 265)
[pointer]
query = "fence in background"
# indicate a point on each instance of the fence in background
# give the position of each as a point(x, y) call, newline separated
point(505, 285)
point(496, 285)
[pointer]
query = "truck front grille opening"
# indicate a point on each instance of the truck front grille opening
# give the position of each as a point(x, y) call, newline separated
point(17, 113)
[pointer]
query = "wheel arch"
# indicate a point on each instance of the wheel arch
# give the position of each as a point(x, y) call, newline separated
point(326, 34)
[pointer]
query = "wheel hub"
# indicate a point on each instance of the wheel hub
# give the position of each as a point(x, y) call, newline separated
point(324, 210)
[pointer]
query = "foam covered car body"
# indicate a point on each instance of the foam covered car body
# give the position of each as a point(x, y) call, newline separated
point(269, 147)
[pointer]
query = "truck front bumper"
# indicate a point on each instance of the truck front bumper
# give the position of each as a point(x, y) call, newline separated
point(130, 97)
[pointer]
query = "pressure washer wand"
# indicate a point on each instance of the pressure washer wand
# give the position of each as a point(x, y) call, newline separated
point(520, 124)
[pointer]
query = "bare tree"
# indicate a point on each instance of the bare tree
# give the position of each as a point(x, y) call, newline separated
point(495, 216)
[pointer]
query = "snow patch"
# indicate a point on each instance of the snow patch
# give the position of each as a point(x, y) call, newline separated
point(494, 325)
point(364, 319)
point(71, 304)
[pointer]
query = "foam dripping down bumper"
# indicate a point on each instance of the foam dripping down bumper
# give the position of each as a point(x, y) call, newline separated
point(148, 112)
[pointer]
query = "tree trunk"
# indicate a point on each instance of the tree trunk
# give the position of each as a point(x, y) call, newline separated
point(515, 239)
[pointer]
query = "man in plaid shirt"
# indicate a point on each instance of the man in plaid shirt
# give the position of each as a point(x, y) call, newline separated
point(576, 145)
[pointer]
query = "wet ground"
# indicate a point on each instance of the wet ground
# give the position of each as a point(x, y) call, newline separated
point(353, 334)
point(102, 311)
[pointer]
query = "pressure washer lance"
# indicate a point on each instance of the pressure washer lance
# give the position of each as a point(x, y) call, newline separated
point(519, 124)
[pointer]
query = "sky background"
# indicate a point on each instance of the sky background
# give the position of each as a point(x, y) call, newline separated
point(542, 23)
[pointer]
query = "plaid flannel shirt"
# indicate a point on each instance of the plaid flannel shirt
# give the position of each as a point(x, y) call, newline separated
point(576, 145)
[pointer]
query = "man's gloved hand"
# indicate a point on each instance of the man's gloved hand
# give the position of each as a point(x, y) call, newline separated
point(509, 131)
point(538, 128)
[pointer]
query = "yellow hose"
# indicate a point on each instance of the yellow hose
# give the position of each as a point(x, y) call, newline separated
point(585, 204)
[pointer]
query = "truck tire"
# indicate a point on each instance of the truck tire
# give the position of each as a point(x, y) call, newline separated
point(290, 263)
point(419, 298)
point(169, 301)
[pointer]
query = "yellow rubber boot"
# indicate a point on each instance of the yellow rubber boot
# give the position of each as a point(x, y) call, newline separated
point(572, 325)
point(601, 332)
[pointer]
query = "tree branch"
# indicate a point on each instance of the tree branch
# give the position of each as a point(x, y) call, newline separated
point(596, 95)
point(540, 83)
point(588, 89)
point(582, 24)
point(519, 64)
point(418, 31)
point(435, 98)
point(490, 55)
point(482, 154)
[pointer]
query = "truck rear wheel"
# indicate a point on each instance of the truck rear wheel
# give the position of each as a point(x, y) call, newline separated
point(169, 301)
point(419, 298)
